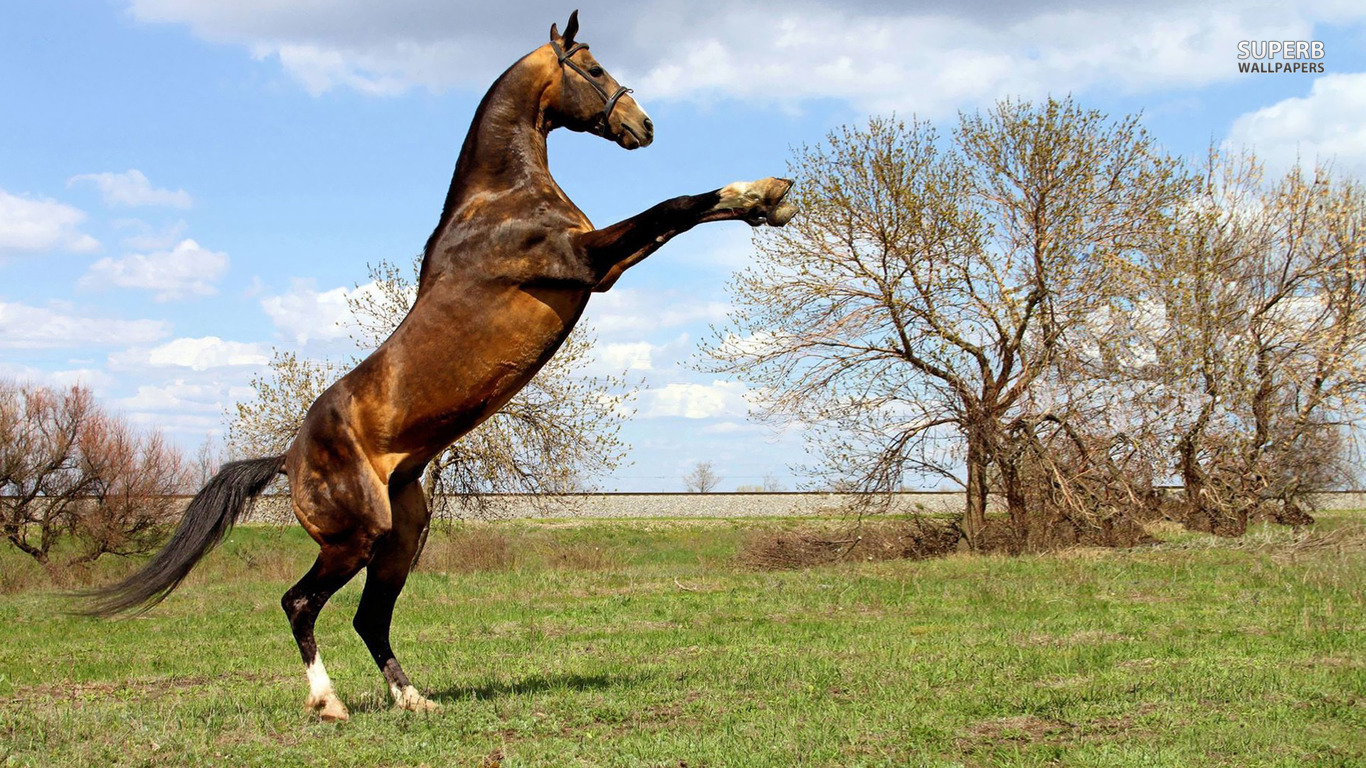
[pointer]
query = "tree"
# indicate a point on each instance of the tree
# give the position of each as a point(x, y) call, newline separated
point(67, 467)
point(552, 437)
point(909, 316)
point(701, 478)
point(1264, 341)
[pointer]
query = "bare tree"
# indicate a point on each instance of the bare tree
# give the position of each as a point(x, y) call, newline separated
point(701, 478)
point(67, 467)
point(906, 317)
point(40, 464)
point(556, 434)
point(1264, 341)
point(131, 494)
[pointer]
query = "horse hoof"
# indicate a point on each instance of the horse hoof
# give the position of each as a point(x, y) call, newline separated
point(773, 189)
point(413, 701)
point(782, 214)
point(329, 709)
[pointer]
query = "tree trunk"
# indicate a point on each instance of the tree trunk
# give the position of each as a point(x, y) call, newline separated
point(975, 513)
point(1015, 503)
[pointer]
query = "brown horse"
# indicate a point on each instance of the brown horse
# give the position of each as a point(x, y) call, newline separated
point(505, 276)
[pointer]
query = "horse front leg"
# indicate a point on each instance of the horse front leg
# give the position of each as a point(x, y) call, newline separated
point(613, 250)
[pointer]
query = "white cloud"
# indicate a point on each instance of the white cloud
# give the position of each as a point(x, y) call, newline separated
point(631, 356)
point(131, 189)
point(306, 314)
point(876, 55)
point(27, 327)
point(1328, 125)
point(187, 270)
point(695, 401)
point(199, 354)
point(190, 409)
point(635, 312)
point(145, 237)
point(29, 224)
point(86, 377)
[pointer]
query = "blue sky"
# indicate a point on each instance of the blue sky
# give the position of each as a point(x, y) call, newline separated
point(185, 184)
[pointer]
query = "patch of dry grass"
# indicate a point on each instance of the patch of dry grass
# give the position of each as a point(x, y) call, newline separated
point(810, 546)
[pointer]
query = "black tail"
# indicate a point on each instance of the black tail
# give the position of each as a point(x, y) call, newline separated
point(207, 520)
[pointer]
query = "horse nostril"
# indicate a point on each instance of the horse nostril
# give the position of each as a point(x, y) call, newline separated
point(649, 126)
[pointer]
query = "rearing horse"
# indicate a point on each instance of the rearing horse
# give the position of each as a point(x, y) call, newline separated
point(505, 276)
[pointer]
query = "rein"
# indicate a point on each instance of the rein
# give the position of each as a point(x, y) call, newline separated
point(609, 99)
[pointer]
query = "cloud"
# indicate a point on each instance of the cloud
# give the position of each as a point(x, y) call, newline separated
point(27, 327)
point(635, 312)
point(199, 354)
point(306, 314)
point(187, 270)
point(145, 237)
point(93, 378)
point(29, 225)
point(190, 409)
point(695, 401)
point(874, 54)
point(131, 189)
point(631, 356)
point(1327, 126)
point(183, 396)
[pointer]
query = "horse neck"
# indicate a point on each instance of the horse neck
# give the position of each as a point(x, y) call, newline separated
point(505, 148)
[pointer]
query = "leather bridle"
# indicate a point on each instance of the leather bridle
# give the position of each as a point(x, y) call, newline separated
point(609, 99)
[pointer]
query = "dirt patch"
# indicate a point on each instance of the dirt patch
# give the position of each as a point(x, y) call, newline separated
point(808, 547)
point(1018, 730)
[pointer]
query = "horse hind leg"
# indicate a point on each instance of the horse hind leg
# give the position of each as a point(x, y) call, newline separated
point(303, 602)
point(347, 516)
point(385, 576)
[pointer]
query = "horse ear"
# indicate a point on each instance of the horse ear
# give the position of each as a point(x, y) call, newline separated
point(571, 28)
point(554, 33)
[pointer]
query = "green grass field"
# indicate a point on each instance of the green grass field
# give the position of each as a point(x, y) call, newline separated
point(624, 644)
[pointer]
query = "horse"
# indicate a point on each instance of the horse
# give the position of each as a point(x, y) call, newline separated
point(505, 275)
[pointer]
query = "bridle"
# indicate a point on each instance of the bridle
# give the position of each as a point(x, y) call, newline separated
point(610, 100)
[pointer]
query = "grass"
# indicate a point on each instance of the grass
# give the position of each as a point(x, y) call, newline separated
point(642, 643)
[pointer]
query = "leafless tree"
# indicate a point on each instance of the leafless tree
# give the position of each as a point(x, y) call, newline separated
point(554, 436)
point(40, 464)
point(701, 478)
point(1264, 338)
point(132, 485)
point(67, 467)
point(908, 315)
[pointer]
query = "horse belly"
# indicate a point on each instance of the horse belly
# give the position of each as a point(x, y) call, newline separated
point(447, 380)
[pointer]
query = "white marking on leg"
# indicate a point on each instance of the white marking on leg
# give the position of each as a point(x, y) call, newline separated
point(739, 194)
point(319, 684)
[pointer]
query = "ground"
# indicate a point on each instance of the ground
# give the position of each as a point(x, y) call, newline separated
point(644, 643)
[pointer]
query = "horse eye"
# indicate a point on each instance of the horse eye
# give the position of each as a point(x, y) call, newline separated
point(595, 71)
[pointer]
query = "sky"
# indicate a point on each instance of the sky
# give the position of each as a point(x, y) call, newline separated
point(186, 185)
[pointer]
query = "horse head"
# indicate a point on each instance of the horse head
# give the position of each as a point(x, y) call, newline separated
point(591, 100)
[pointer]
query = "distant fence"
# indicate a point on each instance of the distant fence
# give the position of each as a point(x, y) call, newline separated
point(275, 509)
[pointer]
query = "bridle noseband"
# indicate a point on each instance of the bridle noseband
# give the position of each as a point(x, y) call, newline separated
point(610, 99)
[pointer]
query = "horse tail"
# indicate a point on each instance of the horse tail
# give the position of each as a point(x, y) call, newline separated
point(207, 520)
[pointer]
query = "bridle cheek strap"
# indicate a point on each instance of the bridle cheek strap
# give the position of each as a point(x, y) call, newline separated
point(609, 100)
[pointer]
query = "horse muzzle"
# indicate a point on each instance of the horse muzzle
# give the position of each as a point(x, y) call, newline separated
point(630, 127)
